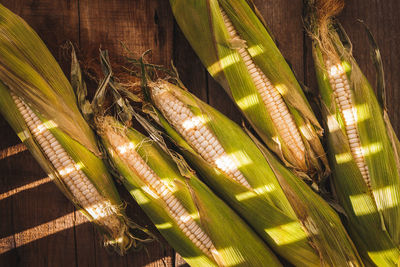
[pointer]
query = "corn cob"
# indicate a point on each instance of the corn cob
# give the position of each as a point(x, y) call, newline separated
point(283, 210)
point(184, 210)
point(237, 50)
point(362, 144)
point(36, 99)
point(77, 182)
point(200, 137)
point(343, 97)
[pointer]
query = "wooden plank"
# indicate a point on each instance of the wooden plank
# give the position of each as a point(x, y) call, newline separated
point(283, 17)
point(140, 25)
point(25, 208)
point(55, 21)
point(39, 219)
point(191, 71)
point(383, 20)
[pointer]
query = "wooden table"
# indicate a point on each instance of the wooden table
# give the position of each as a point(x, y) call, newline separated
point(38, 225)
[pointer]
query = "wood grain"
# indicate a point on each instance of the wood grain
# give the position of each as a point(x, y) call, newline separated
point(38, 226)
point(383, 20)
point(139, 24)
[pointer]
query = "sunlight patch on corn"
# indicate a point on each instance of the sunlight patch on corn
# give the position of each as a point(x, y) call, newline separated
point(163, 226)
point(362, 204)
point(305, 131)
point(257, 191)
point(69, 169)
point(241, 158)
point(150, 191)
point(363, 113)
point(265, 189)
point(336, 70)
point(24, 135)
point(282, 89)
point(235, 259)
point(383, 253)
point(248, 101)
point(195, 215)
point(389, 192)
point(373, 148)
point(255, 50)
point(225, 163)
point(343, 158)
point(223, 63)
point(49, 124)
point(292, 233)
point(245, 195)
point(192, 123)
point(125, 147)
point(139, 197)
point(332, 123)
point(99, 210)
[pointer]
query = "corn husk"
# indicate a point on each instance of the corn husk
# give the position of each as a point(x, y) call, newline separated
point(234, 243)
point(284, 211)
point(372, 211)
point(203, 25)
point(28, 70)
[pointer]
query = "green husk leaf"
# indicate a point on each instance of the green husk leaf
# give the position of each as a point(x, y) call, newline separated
point(323, 225)
point(207, 209)
point(202, 20)
point(31, 72)
point(90, 164)
point(372, 211)
point(197, 199)
point(270, 211)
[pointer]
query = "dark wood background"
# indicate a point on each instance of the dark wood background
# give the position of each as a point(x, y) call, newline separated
point(38, 225)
